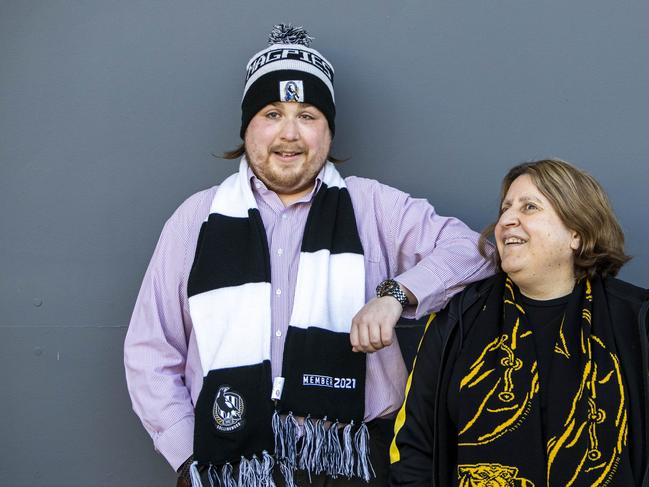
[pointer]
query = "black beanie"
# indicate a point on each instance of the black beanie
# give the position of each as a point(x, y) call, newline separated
point(288, 70)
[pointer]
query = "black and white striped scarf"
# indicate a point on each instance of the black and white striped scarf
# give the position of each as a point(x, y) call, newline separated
point(229, 293)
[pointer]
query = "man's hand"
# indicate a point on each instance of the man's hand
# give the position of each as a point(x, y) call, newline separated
point(373, 326)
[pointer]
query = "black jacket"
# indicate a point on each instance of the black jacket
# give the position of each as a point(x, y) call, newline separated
point(423, 451)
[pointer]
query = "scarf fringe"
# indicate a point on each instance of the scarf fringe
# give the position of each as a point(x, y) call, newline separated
point(347, 463)
point(334, 451)
point(222, 479)
point(227, 477)
point(287, 472)
point(278, 433)
point(286, 445)
point(319, 458)
point(194, 475)
point(364, 468)
point(320, 452)
point(253, 473)
point(246, 474)
point(308, 445)
point(213, 476)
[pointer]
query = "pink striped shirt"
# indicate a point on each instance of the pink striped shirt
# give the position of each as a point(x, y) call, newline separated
point(402, 237)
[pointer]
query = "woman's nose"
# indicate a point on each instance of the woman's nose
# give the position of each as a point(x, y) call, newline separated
point(508, 218)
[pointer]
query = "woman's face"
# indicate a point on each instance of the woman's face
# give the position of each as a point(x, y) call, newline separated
point(536, 249)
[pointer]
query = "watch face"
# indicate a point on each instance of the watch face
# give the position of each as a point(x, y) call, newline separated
point(386, 287)
point(390, 287)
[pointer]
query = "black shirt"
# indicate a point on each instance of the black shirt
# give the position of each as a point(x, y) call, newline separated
point(544, 318)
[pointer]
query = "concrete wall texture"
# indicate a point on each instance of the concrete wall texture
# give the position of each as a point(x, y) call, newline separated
point(110, 111)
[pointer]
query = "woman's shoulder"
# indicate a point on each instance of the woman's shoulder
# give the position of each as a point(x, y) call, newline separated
point(627, 301)
point(480, 288)
point(625, 292)
point(471, 296)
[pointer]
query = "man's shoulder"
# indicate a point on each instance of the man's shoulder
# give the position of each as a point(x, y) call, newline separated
point(192, 211)
point(358, 182)
point(360, 187)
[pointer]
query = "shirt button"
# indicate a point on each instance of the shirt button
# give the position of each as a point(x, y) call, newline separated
point(284, 216)
point(278, 291)
point(278, 333)
point(258, 185)
point(280, 251)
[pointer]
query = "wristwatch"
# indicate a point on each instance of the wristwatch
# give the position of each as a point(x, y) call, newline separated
point(390, 287)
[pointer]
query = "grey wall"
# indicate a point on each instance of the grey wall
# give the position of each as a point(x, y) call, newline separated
point(109, 111)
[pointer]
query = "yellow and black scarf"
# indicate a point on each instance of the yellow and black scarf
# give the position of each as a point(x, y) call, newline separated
point(501, 437)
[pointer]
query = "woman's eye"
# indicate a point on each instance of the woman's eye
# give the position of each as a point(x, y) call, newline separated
point(530, 206)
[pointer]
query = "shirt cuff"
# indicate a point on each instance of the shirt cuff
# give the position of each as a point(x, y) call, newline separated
point(176, 443)
point(429, 290)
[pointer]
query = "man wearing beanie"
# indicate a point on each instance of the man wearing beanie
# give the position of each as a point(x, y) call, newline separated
point(261, 349)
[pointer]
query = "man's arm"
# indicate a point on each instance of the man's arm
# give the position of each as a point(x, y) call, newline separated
point(155, 352)
point(432, 258)
point(373, 326)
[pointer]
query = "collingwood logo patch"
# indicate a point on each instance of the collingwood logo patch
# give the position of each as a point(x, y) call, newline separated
point(291, 90)
point(228, 411)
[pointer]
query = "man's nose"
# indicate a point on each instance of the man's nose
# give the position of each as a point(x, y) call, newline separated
point(290, 129)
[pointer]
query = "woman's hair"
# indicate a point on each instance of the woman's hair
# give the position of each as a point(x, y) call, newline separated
point(582, 205)
point(241, 150)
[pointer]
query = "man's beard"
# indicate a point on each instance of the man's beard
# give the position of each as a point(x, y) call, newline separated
point(287, 178)
point(280, 179)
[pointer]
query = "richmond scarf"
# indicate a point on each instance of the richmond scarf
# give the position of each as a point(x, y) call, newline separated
point(323, 381)
point(500, 434)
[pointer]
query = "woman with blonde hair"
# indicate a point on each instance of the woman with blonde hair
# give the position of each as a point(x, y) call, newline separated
point(537, 376)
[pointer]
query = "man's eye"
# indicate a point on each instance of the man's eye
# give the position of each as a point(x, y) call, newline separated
point(272, 115)
point(307, 116)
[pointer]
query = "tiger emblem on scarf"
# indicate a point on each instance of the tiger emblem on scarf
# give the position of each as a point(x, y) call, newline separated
point(490, 475)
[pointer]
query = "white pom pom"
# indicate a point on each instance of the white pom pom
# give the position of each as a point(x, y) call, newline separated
point(287, 34)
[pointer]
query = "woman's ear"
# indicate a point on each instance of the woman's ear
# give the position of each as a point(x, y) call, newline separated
point(575, 243)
